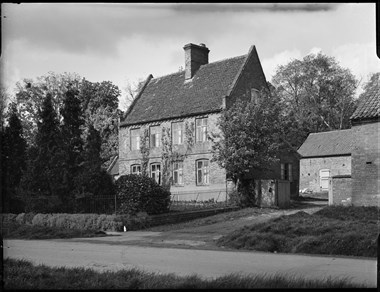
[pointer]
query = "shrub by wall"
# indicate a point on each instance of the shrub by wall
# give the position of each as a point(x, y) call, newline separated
point(137, 193)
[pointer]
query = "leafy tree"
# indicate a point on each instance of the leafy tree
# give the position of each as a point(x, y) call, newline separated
point(249, 142)
point(316, 95)
point(13, 153)
point(372, 84)
point(31, 93)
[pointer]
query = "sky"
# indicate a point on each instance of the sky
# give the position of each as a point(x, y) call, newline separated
point(125, 42)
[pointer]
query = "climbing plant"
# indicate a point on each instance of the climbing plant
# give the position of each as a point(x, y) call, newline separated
point(144, 149)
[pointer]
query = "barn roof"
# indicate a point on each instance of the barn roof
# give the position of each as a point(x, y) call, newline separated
point(369, 105)
point(332, 143)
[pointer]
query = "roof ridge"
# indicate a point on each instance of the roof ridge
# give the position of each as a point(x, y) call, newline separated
point(212, 63)
point(333, 131)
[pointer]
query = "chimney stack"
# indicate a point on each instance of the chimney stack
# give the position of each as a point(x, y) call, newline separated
point(195, 56)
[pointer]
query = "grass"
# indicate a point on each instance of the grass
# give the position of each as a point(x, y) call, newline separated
point(221, 217)
point(21, 274)
point(350, 231)
point(18, 231)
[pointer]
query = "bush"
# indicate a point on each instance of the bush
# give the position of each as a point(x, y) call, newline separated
point(137, 193)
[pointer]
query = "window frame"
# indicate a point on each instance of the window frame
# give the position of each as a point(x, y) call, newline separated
point(201, 130)
point(179, 171)
point(204, 170)
point(134, 172)
point(156, 135)
point(155, 172)
point(137, 137)
point(287, 171)
point(177, 127)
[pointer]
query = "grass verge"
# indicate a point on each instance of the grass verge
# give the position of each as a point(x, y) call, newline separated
point(334, 230)
point(23, 231)
point(21, 274)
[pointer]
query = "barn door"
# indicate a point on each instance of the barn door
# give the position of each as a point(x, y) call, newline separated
point(324, 176)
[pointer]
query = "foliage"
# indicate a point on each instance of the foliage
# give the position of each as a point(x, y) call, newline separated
point(316, 94)
point(144, 150)
point(138, 193)
point(321, 233)
point(13, 160)
point(22, 274)
point(249, 141)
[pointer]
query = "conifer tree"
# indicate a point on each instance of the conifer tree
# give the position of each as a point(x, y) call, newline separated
point(13, 159)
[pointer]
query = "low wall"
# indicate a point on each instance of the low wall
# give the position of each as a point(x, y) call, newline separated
point(340, 190)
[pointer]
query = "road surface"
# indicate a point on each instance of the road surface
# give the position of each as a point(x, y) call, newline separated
point(114, 256)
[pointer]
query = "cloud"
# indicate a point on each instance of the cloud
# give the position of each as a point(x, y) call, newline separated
point(253, 7)
point(270, 65)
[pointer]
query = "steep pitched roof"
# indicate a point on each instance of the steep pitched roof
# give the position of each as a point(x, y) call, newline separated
point(369, 106)
point(340, 142)
point(171, 96)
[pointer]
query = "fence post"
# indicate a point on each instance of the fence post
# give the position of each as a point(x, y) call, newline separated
point(115, 204)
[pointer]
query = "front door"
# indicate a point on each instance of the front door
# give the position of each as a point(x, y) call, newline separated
point(324, 175)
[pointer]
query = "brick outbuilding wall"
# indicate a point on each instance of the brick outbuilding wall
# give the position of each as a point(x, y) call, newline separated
point(366, 165)
point(310, 167)
point(340, 190)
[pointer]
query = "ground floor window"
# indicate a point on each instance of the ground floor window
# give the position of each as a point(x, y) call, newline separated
point(155, 172)
point(178, 173)
point(136, 169)
point(202, 168)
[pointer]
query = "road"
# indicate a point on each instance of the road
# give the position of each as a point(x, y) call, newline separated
point(112, 255)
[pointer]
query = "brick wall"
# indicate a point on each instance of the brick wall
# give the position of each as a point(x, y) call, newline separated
point(340, 190)
point(366, 165)
point(189, 190)
point(310, 167)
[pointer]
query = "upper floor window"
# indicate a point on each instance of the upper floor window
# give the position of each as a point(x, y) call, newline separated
point(155, 172)
point(177, 133)
point(178, 173)
point(136, 169)
point(155, 137)
point(202, 172)
point(254, 95)
point(201, 130)
point(135, 139)
point(287, 171)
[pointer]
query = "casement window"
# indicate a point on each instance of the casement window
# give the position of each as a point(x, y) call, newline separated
point(177, 133)
point(155, 172)
point(135, 139)
point(178, 173)
point(201, 130)
point(203, 174)
point(155, 137)
point(287, 171)
point(136, 169)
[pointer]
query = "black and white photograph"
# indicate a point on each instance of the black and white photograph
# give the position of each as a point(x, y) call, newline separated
point(189, 145)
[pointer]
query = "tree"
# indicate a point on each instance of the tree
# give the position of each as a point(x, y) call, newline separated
point(372, 84)
point(42, 185)
point(248, 142)
point(72, 145)
point(13, 153)
point(316, 95)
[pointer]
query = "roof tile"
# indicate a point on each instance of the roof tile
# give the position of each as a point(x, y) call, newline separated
point(369, 106)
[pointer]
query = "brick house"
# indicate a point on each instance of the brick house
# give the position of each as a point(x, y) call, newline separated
point(366, 153)
point(184, 107)
point(324, 155)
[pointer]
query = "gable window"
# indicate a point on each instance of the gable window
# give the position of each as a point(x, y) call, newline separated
point(155, 172)
point(136, 169)
point(155, 136)
point(135, 139)
point(201, 130)
point(286, 171)
point(202, 167)
point(254, 95)
point(178, 173)
point(177, 130)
